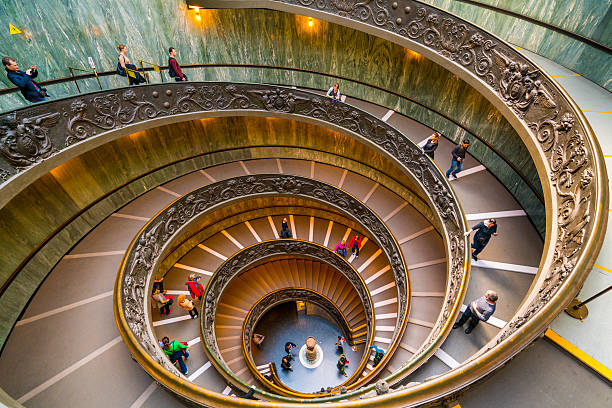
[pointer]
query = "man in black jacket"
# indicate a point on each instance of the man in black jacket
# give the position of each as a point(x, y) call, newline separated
point(24, 80)
point(458, 158)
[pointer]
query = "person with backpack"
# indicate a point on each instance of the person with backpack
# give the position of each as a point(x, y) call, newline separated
point(174, 69)
point(126, 68)
point(195, 287)
point(341, 364)
point(380, 353)
point(176, 351)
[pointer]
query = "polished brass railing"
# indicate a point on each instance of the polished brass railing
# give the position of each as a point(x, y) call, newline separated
point(267, 250)
point(562, 144)
point(276, 297)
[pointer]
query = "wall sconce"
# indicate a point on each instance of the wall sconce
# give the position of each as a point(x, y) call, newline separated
point(198, 16)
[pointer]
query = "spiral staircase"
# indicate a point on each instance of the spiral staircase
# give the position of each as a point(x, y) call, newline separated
point(207, 201)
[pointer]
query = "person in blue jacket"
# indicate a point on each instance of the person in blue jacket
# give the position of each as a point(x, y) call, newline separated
point(24, 80)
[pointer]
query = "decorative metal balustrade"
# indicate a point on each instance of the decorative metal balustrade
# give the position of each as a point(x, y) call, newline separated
point(255, 254)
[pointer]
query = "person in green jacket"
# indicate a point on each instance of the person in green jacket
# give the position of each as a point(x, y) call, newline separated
point(175, 351)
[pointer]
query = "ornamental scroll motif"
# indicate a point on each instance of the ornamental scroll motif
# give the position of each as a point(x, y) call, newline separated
point(243, 259)
point(533, 97)
point(145, 253)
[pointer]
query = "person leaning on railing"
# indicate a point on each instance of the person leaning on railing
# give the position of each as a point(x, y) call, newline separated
point(174, 69)
point(24, 80)
point(126, 68)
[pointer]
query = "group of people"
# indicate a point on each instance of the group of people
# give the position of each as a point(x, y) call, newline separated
point(163, 301)
point(485, 229)
point(354, 245)
point(33, 92)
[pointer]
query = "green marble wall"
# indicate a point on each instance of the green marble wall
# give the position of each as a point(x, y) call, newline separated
point(58, 33)
point(588, 18)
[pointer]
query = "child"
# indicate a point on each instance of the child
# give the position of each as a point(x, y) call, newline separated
point(340, 249)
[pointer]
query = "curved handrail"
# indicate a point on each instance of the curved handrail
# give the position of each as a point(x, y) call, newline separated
point(105, 115)
point(253, 255)
point(426, 173)
point(455, 122)
point(284, 295)
point(558, 136)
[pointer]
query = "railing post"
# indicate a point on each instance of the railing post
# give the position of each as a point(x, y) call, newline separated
point(97, 78)
point(74, 78)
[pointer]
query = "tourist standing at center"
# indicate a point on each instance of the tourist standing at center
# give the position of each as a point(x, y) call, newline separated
point(458, 156)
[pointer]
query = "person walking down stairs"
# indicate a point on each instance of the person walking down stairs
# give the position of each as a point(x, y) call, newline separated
point(163, 302)
point(176, 351)
point(188, 306)
point(480, 309)
point(285, 231)
point(195, 287)
point(355, 244)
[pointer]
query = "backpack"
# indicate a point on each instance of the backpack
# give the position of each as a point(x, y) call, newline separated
point(377, 358)
point(171, 72)
point(120, 69)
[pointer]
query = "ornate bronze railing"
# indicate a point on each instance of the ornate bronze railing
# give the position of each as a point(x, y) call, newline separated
point(108, 115)
point(558, 136)
point(253, 255)
point(269, 301)
point(233, 97)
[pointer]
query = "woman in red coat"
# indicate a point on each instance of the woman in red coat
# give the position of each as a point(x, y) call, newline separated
point(355, 244)
point(195, 288)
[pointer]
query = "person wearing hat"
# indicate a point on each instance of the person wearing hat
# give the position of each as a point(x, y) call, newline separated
point(480, 309)
point(457, 160)
point(484, 231)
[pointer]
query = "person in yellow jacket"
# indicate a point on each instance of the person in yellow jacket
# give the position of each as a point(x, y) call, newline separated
point(188, 305)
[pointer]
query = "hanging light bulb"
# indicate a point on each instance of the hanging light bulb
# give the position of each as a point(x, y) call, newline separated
point(198, 16)
point(310, 22)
